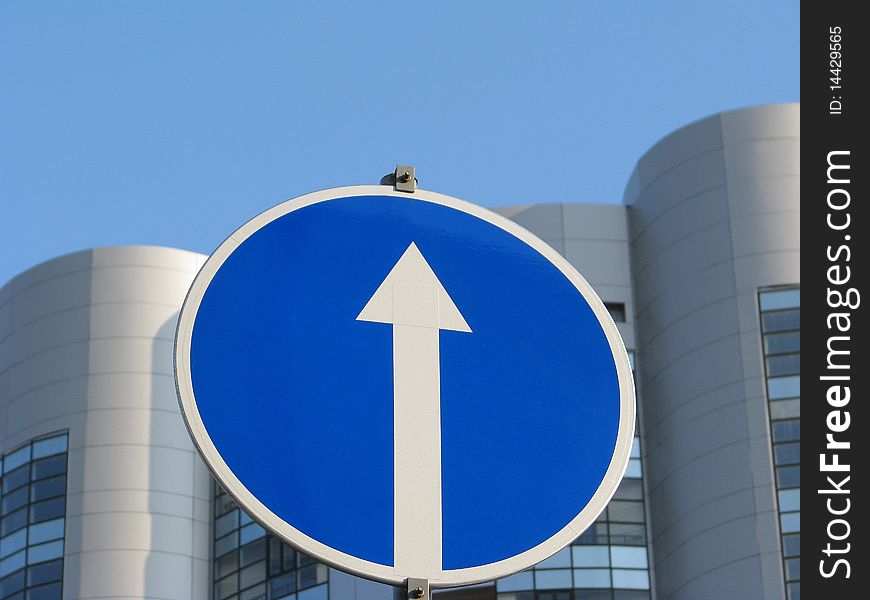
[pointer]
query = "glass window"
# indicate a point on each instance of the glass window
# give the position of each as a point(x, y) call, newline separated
point(793, 569)
point(13, 460)
point(782, 343)
point(785, 409)
point(252, 575)
point(590, 556)
point(226, 564)
point(250, 533)
point(253, 552)
point(787, 454)
point(791, 544)
point(628, 534)
point(784, 364)
point(595, 534)
point(784, 320)
point(630, 595)
point(629, 489)
point(283, 585)
point(631, 557)
point(45, 572)
point(311, 575)
point(520, 581)
point(275, 562)
point(49, 446)
point(47, 509)
point(13, 543)
point(554, 595)
point(45, 531)
point(254, 593)
point(289, 557)
point(616, 310)
point(786, 431)
point(778, 299)
point(303, 560)
point(253, 565)
point(631, 579)
point(51, 591)
point(226, 587)
point(784, 387)
point(794, 591)
point(633, 469)
point(787, 477)
point(780, 313)
point(226, 543)
point(48, 488)
point(13, 521)
point(12, 563)
point(16, 479)
point(44, 552)
point(591, 595)
point(11, 584)
point(635, 447)
point(48, 467)
point(13, 500)
point(592, 578)
point(560, 559)
point(318, 593)
point(42, 464)
point(553, 579)
point(789, 500)
point(223, 504)
point(226, 523)
point(791, 522)
point(517, 596)
point(625, 511)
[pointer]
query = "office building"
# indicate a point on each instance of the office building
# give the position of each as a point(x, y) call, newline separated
point(103, 495)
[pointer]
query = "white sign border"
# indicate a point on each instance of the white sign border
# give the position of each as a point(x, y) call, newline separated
point(347, 562)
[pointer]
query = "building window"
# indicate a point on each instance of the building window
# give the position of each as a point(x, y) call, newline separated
point(32, 519)
point(250, 564)
point(486, 592)
point(616, 310)
point(779, 310)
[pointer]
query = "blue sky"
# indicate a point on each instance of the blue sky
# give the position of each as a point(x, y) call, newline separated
point(172, 123)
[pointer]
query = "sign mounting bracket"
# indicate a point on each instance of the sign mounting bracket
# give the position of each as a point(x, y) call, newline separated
point(414, 589)
point(403, 179)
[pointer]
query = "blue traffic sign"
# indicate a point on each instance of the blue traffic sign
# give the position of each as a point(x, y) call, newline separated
point(405, 385)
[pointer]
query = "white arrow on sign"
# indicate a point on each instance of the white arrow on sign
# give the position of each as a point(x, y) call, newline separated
point(414, 302)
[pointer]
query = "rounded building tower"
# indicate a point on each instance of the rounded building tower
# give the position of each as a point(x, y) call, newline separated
point(103, 494)
point(715, 247)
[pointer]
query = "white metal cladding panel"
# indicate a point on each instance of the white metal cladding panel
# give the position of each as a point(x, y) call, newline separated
point(595, 222)
point(703, 210)
point(676, 148)
point(761, 148)
point(44, 374)
point(86, 346)
point(544, 220)
point(761, 122)
point(600, 261)
point(704, 271)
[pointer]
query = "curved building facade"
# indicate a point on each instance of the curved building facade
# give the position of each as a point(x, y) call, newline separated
point(86, 381)
point(102, 494)
point(715, 221)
